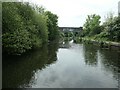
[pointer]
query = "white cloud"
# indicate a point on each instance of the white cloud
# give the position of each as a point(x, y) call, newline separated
point(74, 12)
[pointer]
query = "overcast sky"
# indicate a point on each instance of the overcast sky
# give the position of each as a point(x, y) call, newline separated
point(73, 13)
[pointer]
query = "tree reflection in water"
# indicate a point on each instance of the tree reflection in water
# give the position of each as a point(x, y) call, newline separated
point(90, 54)
point(109, 59)
point(22, 71)
point(19, 70)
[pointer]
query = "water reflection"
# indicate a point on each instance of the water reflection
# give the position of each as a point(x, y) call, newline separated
point(111, 61)
point(110, 58)
point(18, 71)
point(78, 66)
point(106, 60)
point(90, 54)
point(65, 44)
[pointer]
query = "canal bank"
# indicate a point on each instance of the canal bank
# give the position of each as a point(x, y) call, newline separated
point(101, 43)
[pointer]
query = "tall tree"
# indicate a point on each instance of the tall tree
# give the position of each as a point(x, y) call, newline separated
point(52, 23)
point(92, 25)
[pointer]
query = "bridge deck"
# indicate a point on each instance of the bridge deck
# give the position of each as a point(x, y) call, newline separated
point(70, 29)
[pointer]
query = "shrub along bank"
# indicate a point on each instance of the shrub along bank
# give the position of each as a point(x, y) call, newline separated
point(26, 26)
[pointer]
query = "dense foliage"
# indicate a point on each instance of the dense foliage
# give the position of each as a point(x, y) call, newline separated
point(108, 31)
point(111, 29)
point(52, 25)
point(24, 27)
point(92, 25)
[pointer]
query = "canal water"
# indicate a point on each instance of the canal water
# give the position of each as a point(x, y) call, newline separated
point(63, 65)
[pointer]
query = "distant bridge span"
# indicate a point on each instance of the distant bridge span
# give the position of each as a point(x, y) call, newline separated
point(71, 29)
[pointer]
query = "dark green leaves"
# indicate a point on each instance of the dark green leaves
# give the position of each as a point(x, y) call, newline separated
point(52, 21)
point(26, 27)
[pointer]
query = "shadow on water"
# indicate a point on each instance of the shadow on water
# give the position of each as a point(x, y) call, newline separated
point(19, 70)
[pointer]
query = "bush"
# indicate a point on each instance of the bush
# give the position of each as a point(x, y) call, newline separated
point(23, 27)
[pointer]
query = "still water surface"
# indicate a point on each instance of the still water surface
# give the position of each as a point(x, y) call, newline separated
point(66, 65)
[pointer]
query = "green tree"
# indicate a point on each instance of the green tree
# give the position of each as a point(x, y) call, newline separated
point(24, 27)
point(52, 23)
point(15, 37)
point(92, 25)
point(111, 28)
point(115, 30)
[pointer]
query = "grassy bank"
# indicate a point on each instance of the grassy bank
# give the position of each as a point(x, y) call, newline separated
point(102, 43)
